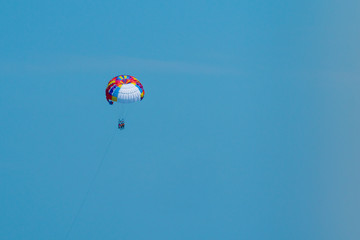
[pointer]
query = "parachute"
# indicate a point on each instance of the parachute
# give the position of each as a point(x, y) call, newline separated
point(124, 89)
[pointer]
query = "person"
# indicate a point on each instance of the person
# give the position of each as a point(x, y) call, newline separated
point(121, 124)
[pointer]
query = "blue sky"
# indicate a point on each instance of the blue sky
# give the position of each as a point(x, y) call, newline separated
point(248, 128)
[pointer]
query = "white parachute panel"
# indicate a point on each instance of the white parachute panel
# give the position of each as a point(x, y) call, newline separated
point(128, 93)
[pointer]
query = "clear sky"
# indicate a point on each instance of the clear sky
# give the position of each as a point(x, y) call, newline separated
point(249, 128)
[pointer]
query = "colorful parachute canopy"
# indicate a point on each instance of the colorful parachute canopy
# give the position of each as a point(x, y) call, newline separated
point(124, 89)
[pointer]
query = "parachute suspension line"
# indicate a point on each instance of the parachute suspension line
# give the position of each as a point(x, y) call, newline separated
point(89, 187)
point(122, 112)
point(123, 109)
